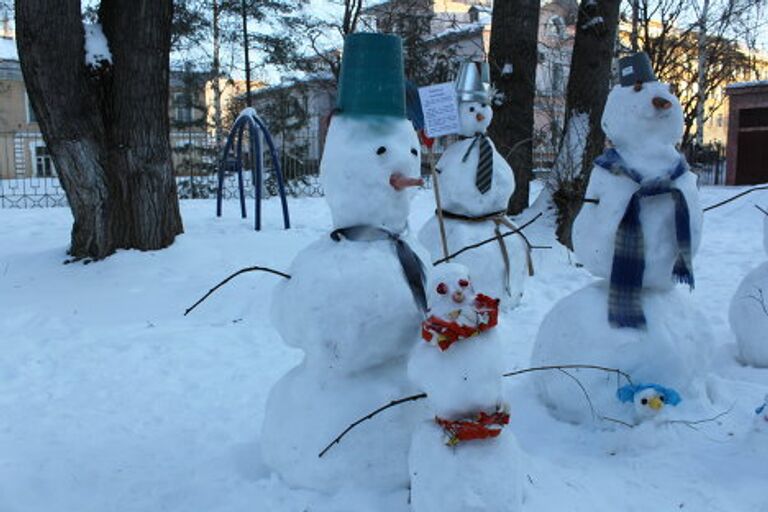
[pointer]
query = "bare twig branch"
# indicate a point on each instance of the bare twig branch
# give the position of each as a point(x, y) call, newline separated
point(393, 403)
point(571, 367)
point(765, 212)
point(488, 241)
point(749, 191)
point(229, 278)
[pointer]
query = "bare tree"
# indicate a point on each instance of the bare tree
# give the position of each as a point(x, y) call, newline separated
point(513, 60)
point(106, 127)
point(588, 86)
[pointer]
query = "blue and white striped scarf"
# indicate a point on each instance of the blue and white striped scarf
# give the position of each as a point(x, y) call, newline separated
point(625, 307)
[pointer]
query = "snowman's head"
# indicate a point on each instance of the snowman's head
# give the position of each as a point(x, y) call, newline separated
point(368, 166)
point(451, 295)
point(643, 115)
point(649, 400)
point(474, 117)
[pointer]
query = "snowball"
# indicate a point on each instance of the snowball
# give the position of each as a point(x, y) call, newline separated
point(309, 407)
point(673, 352)
point(465, 378)
point(457, 181)
point(486, 263)
point(475, 476)
point(96, 46)
point(474, 117)
point(630, 120)
point(749, 317)
point(347, 305)
point(594, 230)
point(355, 171)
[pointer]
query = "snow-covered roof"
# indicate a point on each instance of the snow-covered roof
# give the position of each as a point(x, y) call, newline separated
point(742, 85)
point(8, 49)
point(289, 82)
point(460, 30)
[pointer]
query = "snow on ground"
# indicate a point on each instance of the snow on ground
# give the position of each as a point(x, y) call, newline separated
point(111, 399)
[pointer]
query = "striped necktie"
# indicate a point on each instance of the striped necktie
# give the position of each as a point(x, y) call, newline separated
point(484, 175)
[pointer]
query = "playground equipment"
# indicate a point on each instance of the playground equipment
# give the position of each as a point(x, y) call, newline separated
point(257, 130)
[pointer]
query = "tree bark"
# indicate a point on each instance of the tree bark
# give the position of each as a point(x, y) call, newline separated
point(588, 87)
point(513, 57)
point(107, 128)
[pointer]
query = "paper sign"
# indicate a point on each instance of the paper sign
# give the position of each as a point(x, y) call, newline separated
point(441, 113)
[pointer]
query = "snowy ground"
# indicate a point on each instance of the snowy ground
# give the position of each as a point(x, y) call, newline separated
point(111, 400)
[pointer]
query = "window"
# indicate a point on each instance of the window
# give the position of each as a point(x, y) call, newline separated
point(182, 107)
point(43, 163)
point(31, 118)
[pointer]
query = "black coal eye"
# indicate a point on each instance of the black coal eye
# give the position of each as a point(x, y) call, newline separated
point(471, 109)
point(661, 398)
point(414, 152)
point(381, 150)
point(644, 401)
point(483, 105)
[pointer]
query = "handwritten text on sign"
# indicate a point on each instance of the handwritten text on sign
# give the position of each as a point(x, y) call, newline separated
point(441, 114)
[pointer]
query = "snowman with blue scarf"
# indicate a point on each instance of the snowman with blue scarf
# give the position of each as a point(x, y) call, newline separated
point(356, 298)
point(638, 232)
point(475, 184)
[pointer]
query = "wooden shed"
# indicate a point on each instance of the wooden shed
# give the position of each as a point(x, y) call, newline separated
point(747, 149)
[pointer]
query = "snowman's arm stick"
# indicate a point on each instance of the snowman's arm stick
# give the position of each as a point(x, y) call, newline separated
point(393, 403)
point(229, 278)
point(419, 396)
point(488, 241)
point(562, 367)
point(438, 203)
point(749, 191)
point(765, 212)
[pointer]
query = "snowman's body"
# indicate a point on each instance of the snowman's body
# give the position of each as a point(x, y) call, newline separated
point(460, 381)
point(595, 227)
point(749, 314)
point(460, 197)
point(672, 348)
point(673, 352)
point(349, 307)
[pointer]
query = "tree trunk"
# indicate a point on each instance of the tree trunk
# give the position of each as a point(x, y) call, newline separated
point(513, 58)
point(588, 87)
point(216, 72)
point(107, 129)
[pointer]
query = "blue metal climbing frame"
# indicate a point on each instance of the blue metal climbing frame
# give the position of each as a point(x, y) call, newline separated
point(256, 130)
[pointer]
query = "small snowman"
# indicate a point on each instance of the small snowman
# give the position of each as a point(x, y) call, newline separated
point(639, 235)
point(475, 186)
point(356, 296)
point(649, 400)
point(464, 459)
point(749, 313)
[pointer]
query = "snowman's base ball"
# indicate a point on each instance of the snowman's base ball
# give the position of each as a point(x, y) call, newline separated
point(749, 317)
point(673, 351)
point(307, 409)
point(474, 476)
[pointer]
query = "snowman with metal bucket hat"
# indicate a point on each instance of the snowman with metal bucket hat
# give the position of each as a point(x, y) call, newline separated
point(475, 186)
point(639, 231)
point(356, 296)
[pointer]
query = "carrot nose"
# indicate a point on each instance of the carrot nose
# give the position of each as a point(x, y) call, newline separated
point(458, 296)
point(400, 181)
point(661, 103)
point(480, 117)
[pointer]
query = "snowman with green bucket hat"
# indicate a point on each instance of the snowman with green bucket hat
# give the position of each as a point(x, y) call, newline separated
point(475, 186)
point(356, 299)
